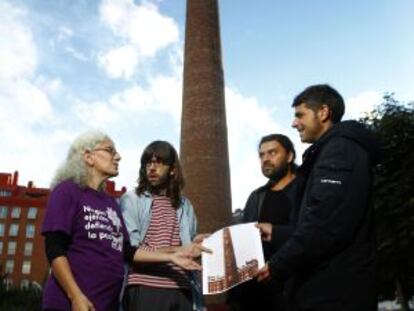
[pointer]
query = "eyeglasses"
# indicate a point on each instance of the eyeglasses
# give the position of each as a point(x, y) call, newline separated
point(155, 162)
point(111, 150)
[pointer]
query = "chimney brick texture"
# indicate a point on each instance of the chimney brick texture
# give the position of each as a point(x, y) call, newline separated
point(204, 148)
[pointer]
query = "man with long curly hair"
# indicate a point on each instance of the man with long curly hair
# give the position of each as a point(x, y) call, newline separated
point(159, 217)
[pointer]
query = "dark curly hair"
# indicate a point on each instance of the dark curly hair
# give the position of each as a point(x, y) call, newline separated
point(164, 152)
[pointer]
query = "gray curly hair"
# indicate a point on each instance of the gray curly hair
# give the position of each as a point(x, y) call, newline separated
point(74, 168)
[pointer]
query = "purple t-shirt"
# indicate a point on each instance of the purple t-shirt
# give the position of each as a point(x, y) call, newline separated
point(93, 221)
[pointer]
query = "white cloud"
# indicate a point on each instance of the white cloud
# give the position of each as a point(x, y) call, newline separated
point(18, 54)
point(246, 117)
point(76, 54)
point(247, 122)
point(25, 101)
point(25, 109)
point(131, 100)
point(35, 156)
point(167, 92)
point(143, 25)
point(359, 105)
point(64, 33)
point(62, 40)
point(163, 95)
point(130, 154)
point(50, 86)
point(120, 62)
point(95, 114)
point(143, 29)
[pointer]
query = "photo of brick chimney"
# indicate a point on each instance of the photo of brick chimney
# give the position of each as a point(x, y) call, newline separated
point(230, 266)
point(236, 268)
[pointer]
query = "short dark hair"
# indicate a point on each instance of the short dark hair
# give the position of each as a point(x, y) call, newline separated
point(317, 95)
point(286, 144)
point(164, 152)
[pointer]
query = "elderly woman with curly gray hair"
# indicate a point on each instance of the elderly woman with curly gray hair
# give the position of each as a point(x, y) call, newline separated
point(85, 235)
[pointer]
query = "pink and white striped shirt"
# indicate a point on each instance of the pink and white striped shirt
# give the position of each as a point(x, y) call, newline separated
point(163, 231)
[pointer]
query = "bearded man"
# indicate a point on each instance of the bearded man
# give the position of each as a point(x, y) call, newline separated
point(270, 205)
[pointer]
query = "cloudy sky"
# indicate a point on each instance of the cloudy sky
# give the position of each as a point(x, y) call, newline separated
point(67, 66)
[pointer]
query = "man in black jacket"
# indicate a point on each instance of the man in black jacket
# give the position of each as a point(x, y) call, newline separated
point(271, 205)
point(329, 258)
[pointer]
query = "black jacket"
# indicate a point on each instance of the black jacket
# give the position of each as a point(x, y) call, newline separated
point(330, 257)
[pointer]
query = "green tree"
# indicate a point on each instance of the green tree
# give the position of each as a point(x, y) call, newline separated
point(393, 122)
point(20, 299)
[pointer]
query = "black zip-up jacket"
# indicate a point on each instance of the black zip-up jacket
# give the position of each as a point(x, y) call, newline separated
point(330, 257)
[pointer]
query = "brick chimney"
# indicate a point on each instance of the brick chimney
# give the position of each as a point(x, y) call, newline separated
point(204, 148)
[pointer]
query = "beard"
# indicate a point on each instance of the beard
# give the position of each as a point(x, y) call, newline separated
point(161, 185)
point(277, 173)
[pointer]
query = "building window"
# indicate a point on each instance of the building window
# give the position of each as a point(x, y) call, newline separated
point(30, 231)
point(32, 213)
point(11, 248)
point(3, 212)
point(8, 283)
point(24, 283)
point(16, 212)
point(9, 266)
point(26, 267)
point(1, 247)
point(4, 193)
point(1, 229)
point(14, 230)
point(28, 248)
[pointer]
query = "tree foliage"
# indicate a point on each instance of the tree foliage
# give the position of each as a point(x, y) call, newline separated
point(20, 299)
point(393, 122)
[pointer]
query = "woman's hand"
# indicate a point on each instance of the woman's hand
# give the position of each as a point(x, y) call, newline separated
point(63, 273)
point(81, 303)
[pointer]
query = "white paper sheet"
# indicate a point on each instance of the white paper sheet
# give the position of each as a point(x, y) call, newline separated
point(239, 248)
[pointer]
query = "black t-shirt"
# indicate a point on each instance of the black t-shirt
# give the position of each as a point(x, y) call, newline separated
point(275, 209)
point(251, 295)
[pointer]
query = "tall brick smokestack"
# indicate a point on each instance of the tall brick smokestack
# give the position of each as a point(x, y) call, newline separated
point(204, 150)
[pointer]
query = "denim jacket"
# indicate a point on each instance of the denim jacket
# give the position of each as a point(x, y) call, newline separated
point(137, 213)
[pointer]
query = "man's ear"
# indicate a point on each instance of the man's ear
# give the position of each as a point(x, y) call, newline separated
point(290, 157)
point(324, 113)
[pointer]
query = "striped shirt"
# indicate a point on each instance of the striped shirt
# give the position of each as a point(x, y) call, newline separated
point(163, 231)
